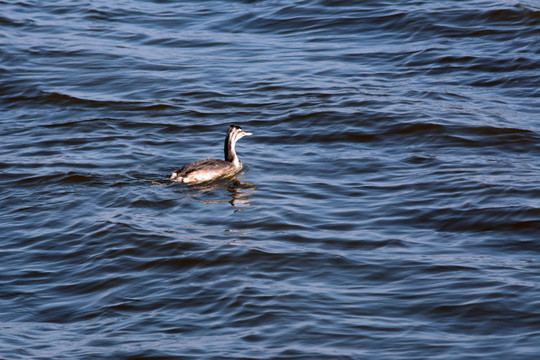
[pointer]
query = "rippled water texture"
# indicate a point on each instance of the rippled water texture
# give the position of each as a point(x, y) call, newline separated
point(389, 206)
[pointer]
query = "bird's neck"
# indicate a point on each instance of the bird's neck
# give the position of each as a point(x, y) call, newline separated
point(230, 153)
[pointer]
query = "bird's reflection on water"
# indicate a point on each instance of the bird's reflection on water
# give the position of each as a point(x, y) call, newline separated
point(239, 192)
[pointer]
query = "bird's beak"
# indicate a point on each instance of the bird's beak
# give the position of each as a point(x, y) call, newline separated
point(246, 133)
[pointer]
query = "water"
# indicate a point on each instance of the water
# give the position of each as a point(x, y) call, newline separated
point(389, 207)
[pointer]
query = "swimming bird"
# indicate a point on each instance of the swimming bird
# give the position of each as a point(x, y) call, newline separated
point(210, 169)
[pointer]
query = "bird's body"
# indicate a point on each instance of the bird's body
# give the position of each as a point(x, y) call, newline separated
point(210, 169)
point(204, 170)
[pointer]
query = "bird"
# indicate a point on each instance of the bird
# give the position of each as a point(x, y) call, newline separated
point(202, 171)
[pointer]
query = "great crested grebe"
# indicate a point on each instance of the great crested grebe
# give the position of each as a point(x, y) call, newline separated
point(206, 170)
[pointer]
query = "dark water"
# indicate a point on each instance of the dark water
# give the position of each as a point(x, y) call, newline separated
point(389, 207)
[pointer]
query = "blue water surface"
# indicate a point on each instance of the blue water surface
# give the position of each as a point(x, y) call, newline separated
point(389, 206)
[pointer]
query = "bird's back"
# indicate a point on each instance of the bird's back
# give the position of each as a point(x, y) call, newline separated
point(203, 170)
